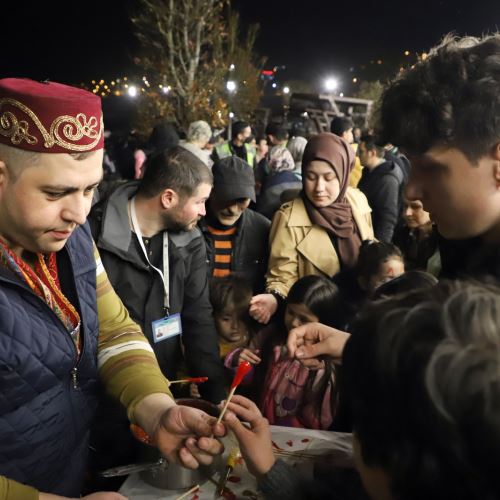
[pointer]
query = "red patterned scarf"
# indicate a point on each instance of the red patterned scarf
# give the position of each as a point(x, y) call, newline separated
point(43, 280)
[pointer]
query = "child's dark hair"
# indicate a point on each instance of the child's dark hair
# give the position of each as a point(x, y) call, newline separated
point(408, 281)
point(372, 254)
point(233, 292)
point(421, 374)
point(320, 295)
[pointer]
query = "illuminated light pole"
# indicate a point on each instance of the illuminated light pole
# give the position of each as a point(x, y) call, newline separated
point(331, 84)
point(231, 88)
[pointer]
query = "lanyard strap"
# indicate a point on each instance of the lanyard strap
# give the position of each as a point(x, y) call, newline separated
point(164, 274)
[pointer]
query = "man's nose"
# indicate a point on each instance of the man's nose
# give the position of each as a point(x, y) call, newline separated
point(77, 209)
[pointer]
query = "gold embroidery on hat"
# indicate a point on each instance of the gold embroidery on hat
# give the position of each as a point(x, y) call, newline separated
point(17, 130)
point(72, 128)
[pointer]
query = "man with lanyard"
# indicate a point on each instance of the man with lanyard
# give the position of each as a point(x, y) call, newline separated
point(62, 327)
point(155, 258)
point(238, 146)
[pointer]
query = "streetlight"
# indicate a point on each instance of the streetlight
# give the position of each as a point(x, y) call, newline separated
point(132, 91)
point(231, 88)
point(331, 84)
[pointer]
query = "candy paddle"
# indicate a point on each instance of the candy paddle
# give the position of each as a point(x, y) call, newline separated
point(243, 368)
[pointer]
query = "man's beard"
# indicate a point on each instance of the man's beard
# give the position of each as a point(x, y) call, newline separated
point(173, 223)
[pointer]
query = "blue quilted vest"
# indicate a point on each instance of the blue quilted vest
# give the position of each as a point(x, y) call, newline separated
point(47, 397)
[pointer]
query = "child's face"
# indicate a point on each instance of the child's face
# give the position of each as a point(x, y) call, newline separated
point(229, 326)
point(297, 315)
point(388, 270)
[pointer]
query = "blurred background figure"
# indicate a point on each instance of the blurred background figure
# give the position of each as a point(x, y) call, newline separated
point(198, 135)
point(281, 178)
point(417, 237)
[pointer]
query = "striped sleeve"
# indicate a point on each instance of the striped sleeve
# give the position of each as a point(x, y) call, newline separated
point(11, 490)
point(127, 364)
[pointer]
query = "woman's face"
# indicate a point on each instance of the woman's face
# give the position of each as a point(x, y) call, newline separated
point(388, 270)
point(321, 184)
point(415, 215)
point(297, 315)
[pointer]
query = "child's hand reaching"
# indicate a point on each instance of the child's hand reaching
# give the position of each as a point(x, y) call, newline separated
point(255, 441)
point(249, 355)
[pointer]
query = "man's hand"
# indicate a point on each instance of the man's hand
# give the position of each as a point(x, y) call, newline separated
point(262, 307)
point(255, 442)
point(311, 340)
point(249, 355)
point(182, 434)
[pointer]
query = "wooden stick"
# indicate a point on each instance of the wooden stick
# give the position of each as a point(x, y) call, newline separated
point(231, 394)
point(192, 490)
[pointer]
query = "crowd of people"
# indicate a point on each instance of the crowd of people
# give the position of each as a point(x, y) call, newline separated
point(358, 277)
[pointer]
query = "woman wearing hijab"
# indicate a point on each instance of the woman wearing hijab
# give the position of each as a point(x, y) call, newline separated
point(319, 232)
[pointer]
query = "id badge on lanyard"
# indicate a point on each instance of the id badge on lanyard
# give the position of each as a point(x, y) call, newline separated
point(170, 325)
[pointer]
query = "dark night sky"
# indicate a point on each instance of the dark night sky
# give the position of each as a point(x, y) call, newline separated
point(74, 42)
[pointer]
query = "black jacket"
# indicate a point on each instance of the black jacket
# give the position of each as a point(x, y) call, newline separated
point(416, 251)
point(250, 248)
point(141, 289)
point(382, 187)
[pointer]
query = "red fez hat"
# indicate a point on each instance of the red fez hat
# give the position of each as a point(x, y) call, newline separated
point(49, 117)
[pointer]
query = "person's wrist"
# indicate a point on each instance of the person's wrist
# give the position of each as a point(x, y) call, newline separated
point(266, 466)
point(150, 410)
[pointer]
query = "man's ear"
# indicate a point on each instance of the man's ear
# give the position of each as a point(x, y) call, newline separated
point(169, 198)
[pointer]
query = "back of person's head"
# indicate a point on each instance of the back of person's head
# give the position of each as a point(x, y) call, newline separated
point(230, 293)
point(296, 146)
point(451, 98)
point(176, 169)
point(372, 255)
point(199, 131)
point(406, 282)
point(238, 127)
point(280, 160)
point(372, 143)
point(422, 378)
point(320, 295)
point(278, 131)
point(298, 129)
point(341, 124)
point(163, 137)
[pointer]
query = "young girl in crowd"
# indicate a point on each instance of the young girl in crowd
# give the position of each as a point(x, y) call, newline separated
point(230, 298)
point(378, 263)
point(287, 392)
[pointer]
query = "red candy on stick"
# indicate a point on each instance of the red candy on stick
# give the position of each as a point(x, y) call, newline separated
point(194, 380)
point(243, 368)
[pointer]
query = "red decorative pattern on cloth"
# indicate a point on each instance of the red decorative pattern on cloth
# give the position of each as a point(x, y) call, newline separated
point(43, 280)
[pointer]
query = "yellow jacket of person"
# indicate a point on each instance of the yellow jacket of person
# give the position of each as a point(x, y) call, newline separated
point(300, 248)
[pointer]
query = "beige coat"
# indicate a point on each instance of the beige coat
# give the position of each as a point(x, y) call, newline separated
point(300, 248)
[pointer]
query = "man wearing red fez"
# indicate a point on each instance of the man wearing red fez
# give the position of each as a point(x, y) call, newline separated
point(62, 327)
